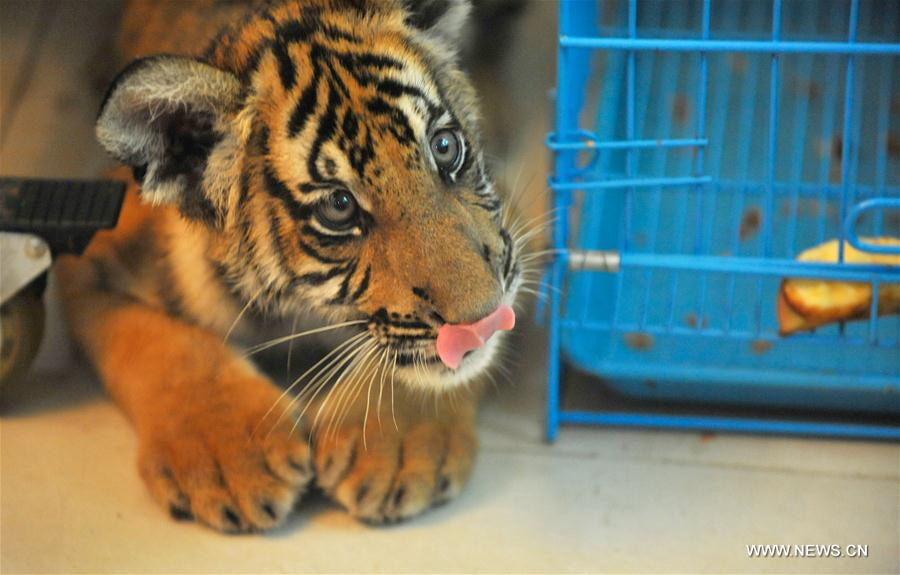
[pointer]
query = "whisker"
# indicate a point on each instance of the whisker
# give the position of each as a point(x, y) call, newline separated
point(394, 371)
point(353, 396)
point(435, 394)
point(417, 362)
point(539, 254)
point(540, 284)
point(381, 386)
point(535, 293)
point(350, 393)
point(321, 379)
point(493, 381)
point(243, 311)
point(340, 371)
point(543, 217)
point(513, 191)
point(518, 194)
point(287, 369)
point(325, 373)
point(279, 340)
point(346, 344)
point(525, 236)
point(535, 221)
point(369, 397)
point(451, 399)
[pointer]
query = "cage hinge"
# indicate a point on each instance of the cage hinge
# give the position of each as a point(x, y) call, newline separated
point(594, 260)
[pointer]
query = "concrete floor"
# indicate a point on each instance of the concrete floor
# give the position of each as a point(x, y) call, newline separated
point(599, 500)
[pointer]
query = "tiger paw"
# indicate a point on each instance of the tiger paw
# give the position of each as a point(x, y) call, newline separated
point(394, 475)
point(225, 469)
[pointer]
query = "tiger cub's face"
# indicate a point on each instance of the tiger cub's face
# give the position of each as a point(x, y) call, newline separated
point(334, 152)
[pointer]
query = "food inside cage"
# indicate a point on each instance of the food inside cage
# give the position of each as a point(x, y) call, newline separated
point(805, 304)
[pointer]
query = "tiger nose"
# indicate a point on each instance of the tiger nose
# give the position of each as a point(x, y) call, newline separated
point(455, 340)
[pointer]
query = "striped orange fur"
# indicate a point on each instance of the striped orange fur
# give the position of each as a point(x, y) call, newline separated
point(316, 159)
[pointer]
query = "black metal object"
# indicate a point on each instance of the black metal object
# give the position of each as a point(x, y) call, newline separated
point(64, 213)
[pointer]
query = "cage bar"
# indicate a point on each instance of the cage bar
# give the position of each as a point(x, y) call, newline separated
point(733, 46)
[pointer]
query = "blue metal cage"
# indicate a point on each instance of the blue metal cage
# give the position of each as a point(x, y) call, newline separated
point(699, 147)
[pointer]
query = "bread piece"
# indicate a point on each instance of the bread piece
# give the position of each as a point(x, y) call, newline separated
point(805, 304)
point(791, 321)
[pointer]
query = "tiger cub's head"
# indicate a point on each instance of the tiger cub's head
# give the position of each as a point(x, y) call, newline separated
point(332, 149)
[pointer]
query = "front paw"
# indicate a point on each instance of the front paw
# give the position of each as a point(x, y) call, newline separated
point(395, 474)
point(223, 467)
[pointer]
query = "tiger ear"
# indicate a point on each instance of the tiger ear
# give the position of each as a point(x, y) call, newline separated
point(163, 116)
point(442, 20)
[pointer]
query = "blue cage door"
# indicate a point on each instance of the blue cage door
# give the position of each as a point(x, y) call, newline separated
point(699, 148)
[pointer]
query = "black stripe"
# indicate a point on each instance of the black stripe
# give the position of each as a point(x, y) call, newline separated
point(360, 65)
point(489, 206)
point(252, 63)
point(483, 189)
point(332, 32)
point(259, 139)
point(411, 325)
point(349, 63)
point(244, 248)
point(363, 285)
point(350, 124)
point(245, 188)
point(337, 81)
point(360, 156)
point(379, 106)
point(356, 63)
point(294, 31)
point(247, 264)
point(326, 239)
point(507, 260)
point(287, 72)
point(514, 270)
point(195, 205)
point(308, 250)
point(279, 247)
point(288, 33)
point(379, 61)
point(407, 359)
point(399, 125)
point(279, 189)
point(305, 106)
point(285, 33)
point(345, 285)
point(225, 277)
point(381, 318)
point(409, 340)
point(396, 89)
point(327, 125)
point(244, 207)
point(318, 278)
point(221, 37)
point(486, 253)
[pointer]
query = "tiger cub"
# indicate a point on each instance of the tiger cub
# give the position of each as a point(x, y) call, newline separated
point(314, 158)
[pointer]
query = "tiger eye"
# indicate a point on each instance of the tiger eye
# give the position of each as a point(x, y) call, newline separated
point(338, 210)
point(446, 149)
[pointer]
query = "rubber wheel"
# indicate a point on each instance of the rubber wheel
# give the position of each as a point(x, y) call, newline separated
point(21, 329)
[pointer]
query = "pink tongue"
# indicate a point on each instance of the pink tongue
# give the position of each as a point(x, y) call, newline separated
point(455, 340)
